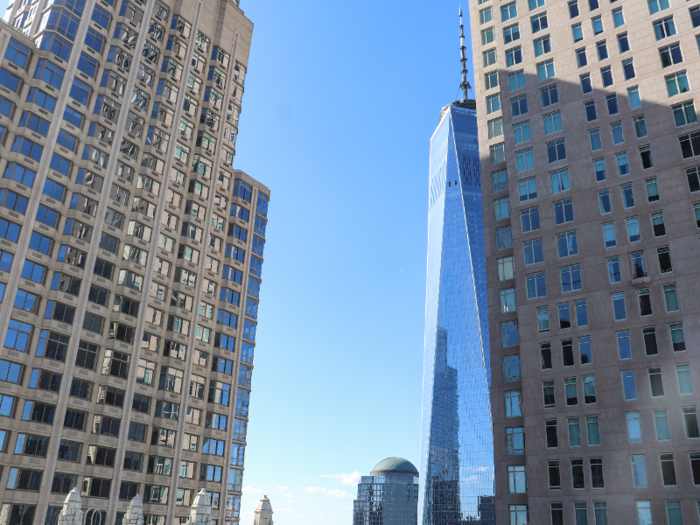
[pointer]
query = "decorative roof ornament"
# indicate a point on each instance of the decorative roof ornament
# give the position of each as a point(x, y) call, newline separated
point(71, 513)
point(200, 512)
point(134, 512)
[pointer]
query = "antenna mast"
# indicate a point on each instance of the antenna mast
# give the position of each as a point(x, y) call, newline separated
point(465, 87)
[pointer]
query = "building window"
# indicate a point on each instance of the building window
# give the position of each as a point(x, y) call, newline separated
point(518, 106)
point(593, 430)
point(577, 474)
point(639, 477)
point(644, 302)
point(684, 113)
point(497, 153)
point(504, 238)
point(554, 475)
point(599, 166)
point(525, 160)
point(543, 319)
point(513, 56)
point(515, 440)
point(508, 301)
point(571, 391)
point(518, 514)
point(685, 384)
point(560, 180)
point(629, 386)
point(668, 470)
point(677, 83)
point(548, 393)
point(571, 278)
point(530, 219)
point(549, 95)
point(546, 354)
point(556, 150)
point(552, 440)
point(542, 46)
point(609, 234)
point(574, 432)
point(634, 429)
point(567, 244)
point(539, 22)
point(513, 404)
point(545, 70)
point(505, 268)
point(617, 134)
point(536, 285)
point(521, 132)
point(586, 86)
point(516, 479)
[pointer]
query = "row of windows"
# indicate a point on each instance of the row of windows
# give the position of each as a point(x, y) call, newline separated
point(673, 509)
point(42, 412)
point(30, 480)
point(570, 276)
point(37, 446)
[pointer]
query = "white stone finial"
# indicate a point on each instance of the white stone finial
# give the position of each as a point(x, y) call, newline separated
point(71, 513)
point(263, 513)
point(200, 513)
point(134, 513)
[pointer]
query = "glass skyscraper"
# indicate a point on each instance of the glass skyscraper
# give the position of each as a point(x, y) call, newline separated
point(457, 441)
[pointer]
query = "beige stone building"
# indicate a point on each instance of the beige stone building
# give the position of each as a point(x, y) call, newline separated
point(590, 165)
point(131, 255)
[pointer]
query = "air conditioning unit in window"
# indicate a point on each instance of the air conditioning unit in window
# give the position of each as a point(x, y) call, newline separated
point(112, 334)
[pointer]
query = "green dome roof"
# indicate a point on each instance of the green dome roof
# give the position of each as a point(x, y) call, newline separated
point(394, 466)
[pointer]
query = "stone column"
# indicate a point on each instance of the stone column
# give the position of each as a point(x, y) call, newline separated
point(72, 513)
point(134, 512)
point(201, 510)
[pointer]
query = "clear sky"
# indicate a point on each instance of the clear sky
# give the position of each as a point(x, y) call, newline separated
point(341, 100)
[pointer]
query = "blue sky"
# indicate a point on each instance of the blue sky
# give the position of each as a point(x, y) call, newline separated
point(341, 100)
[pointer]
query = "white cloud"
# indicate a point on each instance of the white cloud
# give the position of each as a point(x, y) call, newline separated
point(345, 479)
point(339, 494)
point(287, 495)
point(282, 488)
point(289, 501)
point(332, 493)
point(251, 490)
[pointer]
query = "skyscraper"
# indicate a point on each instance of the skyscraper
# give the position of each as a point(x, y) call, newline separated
point(457, 444)
point(590, 148)
point(131, 257)
point(388, 496)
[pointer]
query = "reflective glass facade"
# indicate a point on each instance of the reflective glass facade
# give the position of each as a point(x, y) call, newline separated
point(386, 500)
point(457, 441)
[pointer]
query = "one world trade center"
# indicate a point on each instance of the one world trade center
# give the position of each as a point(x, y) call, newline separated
point(457, 465)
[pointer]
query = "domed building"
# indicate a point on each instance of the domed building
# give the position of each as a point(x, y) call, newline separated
point(389, 495)
point(263, 514)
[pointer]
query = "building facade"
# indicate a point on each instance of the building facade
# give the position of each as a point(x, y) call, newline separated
point(590, 154)
point(131, 258)
point(456, 442)
point(389, 495)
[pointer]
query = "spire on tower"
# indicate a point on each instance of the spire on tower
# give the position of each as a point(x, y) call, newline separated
point(463, 50)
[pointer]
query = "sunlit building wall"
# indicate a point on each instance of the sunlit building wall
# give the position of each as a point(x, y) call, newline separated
point(131, 256)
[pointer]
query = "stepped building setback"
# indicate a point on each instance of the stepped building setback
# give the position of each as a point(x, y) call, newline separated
point(130, 258)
